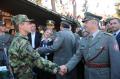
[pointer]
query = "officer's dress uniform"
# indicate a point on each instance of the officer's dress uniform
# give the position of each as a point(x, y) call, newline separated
point(101, 54)
point(63, 47)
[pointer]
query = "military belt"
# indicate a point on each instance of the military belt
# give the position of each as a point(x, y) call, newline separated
point(96, 65)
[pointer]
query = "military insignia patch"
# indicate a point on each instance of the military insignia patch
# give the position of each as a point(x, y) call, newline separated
point(56, 39)
point(108, 34)
point(116, 47)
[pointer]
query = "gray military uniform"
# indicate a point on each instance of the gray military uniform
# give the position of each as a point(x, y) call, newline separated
point(5, 41)
point(63, 48)
point(101, 57)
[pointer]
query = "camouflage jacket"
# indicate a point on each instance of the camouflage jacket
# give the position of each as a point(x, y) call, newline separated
point(23, 57)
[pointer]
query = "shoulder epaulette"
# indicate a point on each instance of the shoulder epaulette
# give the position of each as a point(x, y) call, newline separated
point(108, 33)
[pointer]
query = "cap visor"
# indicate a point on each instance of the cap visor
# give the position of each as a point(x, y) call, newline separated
point(30, 20)
point(84, 20)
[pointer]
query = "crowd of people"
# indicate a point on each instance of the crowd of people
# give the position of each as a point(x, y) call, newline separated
point(25, 53)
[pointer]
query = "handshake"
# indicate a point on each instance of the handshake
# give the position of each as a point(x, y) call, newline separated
point(63, 70)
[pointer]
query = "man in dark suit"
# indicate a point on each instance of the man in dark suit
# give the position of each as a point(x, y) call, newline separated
point(115, 23)
point(34, 37)
point(63, 48)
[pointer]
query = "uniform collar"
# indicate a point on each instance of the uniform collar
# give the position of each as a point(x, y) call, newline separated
point(47, 39)
point(20, 35)
point(32, 32)
point(65, 28)
point(117, 32)
point(95, 33)
point(1, 34)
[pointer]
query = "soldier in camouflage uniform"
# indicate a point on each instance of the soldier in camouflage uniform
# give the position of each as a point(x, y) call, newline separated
point(22, 56)
point(5, 41)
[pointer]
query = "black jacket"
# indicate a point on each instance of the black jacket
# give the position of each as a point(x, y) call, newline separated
point(118, 39)
point(37, 39)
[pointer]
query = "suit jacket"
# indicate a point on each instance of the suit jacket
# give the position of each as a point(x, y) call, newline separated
point(37, 39)
point(105, 46)
point(118, 39)
point(48, 43)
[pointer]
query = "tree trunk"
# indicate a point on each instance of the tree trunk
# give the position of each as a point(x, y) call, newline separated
point(74, 8)
point(53, 5)
point(85, 6)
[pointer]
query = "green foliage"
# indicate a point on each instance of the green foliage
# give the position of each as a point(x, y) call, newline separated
point(118, 12)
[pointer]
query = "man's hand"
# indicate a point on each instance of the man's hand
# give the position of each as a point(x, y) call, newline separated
point(63, 70)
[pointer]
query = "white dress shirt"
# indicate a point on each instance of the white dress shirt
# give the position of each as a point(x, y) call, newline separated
point(116, 33)
point(33, 39)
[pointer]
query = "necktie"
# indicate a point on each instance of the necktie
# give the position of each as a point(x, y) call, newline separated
point(90, 40)
point(114, 34)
